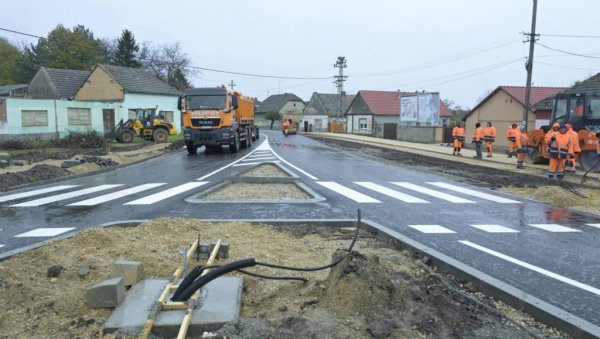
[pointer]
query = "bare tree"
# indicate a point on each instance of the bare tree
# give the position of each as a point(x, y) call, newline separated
point(167, 62)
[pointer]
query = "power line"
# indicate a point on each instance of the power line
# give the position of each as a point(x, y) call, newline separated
point(562, 66)
point(192, 67)
point(569, 53)
point(572, 36)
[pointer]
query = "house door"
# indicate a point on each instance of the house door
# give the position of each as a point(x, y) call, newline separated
point(390, 131)
point(108, 117)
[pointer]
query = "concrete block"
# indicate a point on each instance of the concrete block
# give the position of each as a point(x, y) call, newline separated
point(223, 250)
point(130, 271)
point(105, 294)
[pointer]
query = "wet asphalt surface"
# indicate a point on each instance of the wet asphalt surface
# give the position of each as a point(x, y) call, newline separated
point(560, 268)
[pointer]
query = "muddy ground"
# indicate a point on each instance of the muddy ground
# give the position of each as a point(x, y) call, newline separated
point(380, 290)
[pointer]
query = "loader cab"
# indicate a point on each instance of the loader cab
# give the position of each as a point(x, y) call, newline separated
point(582, 110)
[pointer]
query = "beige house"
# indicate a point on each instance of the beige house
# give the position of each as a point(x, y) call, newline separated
point(506, 105)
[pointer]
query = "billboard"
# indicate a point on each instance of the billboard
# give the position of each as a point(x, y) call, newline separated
point(423, 108)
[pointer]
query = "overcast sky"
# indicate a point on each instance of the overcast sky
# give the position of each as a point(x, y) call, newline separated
point(460, 48)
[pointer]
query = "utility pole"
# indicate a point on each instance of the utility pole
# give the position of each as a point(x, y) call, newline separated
point(529, 64)
point(339, 82)
point(231, 84)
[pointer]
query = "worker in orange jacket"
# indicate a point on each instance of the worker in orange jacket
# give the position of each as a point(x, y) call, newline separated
point(458, 133)
point(522, 147)
point(478, 136)
point(286, 126)
point(489, 137)
point(559, 148)
point(511, 135)
point(571, 163)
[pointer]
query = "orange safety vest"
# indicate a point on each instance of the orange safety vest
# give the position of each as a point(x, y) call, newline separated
point(479, 134)
point(458, 133)
point(286, 123)
point(512, 134)
point(574, 140)
point(561, 146)
point(490, 134)
point(523, 141)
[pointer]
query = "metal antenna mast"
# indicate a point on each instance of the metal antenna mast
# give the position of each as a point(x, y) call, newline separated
point(339, 82)
point(231, 84)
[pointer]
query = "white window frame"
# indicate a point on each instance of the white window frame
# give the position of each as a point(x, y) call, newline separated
point(36, 118)
point(360, 124)
point(79, 116)
point(168, 115)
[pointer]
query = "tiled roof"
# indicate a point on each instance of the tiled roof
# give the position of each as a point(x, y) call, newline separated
point(277, 101)
point(388, 103)
point(6, 89)
point(137, 80)
point(66, 81)
point(537, 93)
point(591, 84)
point(329, 103)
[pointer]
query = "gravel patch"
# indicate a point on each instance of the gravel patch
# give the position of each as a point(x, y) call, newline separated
point(256, 191)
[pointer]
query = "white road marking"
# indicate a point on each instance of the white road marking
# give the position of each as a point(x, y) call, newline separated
point(44, 232)
point(594, 225)
point(65, 196)
point(424, 190)
point(1, 246)
point(391, 193)
point(35, 192)
point(474, 193)
point(229, 165)
point(151, 199)
point(495, 229)
point(261, 158)
point(295, 167)
point(115, 195)
point(532, 267)
point(433, 229)
point(255, 163)
point(554, 228)
point(347, 192)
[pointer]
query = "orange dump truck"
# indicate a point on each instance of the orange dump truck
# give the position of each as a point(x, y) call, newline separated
point(216, 116)
point(582, 111)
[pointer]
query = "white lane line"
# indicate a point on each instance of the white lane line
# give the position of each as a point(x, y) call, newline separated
point(255, 163)
point(1, 246)
point(554, 228)
point(532, 267)
point(347, 192)
point(594, 225)
point(35, 192)
point(115, 195)
point(432, 229)
point(495, 229)
point(424, 190)
point(295, 167)
point(474, 193)
point(65, 196)
point(391, 193)
point(151, 199)
point(44, 232)
point(260, 158)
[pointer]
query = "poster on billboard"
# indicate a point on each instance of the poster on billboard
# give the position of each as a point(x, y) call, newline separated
point(409, 108)
point(429, 108)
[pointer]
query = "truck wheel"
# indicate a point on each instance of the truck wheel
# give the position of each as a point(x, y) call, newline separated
point(191, 148)
point(587, 160)
point(160, 135)
point(126, 136)
point(249, 137)
point(235, 145)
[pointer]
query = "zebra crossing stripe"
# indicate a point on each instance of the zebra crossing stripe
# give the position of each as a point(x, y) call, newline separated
point(44, 232)
point(424, 190)
point(432, 229)
point(391, 193)
point(35, 192)
point(474, 193)
point(594, 225)
point(151, 199)
point(495, 229)
point(65, 196)
point(554, 228)
point(347, 192)
point(115, 195)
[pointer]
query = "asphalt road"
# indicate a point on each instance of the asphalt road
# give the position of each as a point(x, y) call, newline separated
point(544, 251)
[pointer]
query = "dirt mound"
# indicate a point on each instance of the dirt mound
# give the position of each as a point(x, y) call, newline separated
point(35, 174)
point(377, 291)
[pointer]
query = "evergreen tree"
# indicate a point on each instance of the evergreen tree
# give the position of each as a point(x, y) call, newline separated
point(10, 57)
point(126, 50)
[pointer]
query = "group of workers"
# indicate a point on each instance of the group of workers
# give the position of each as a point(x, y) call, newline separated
point(562, 142)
